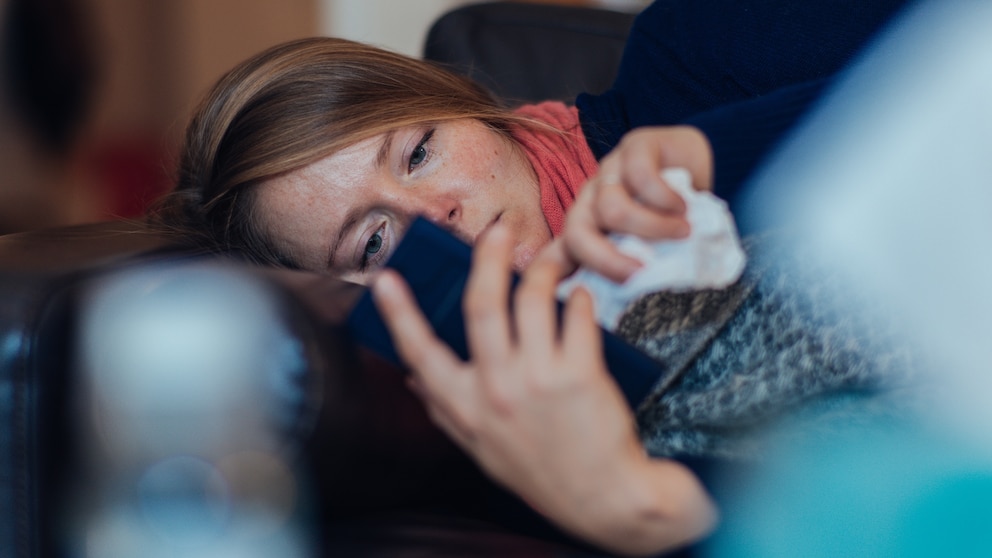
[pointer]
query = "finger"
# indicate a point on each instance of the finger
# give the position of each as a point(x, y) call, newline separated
point(535, 309)
point(486, 302)
point(631, 197)
point(638, 163)
point(586, 244)
point(598, 254)
point(689, 148)
point(433, 363)
point(616, 211)
point(581, 335)
point(556, 253)
point(637, 168)
point(641, 177)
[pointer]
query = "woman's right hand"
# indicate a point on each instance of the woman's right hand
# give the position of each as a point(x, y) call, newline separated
point(628, 196)
point(537, 409)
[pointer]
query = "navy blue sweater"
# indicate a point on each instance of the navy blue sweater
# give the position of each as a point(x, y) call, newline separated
point(742, 71)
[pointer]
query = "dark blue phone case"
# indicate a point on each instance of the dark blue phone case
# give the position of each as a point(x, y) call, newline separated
point(436, 265)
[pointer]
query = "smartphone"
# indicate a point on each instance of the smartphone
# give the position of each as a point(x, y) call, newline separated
point(436, 265)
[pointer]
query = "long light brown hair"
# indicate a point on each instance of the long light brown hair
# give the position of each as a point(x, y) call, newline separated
point(290, 106)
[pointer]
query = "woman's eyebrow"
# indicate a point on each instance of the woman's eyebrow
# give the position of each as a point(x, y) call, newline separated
point(383, 154)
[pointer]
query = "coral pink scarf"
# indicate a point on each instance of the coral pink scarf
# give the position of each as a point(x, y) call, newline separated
point(562, 161)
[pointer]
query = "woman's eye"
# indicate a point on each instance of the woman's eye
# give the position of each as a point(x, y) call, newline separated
point(374, 244)
point(373, 249)
point(420, 153)
point(418, 156)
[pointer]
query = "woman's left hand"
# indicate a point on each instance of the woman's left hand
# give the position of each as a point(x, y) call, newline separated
point(535, 406)
point(629, 196)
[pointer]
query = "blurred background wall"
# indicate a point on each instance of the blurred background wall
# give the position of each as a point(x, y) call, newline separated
point(128, 73)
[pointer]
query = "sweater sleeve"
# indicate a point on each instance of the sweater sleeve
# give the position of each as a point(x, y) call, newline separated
point(742, 134)
point(684, 58)
point(743, 71)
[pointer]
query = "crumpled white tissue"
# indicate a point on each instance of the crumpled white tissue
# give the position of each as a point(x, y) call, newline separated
point(710, 257)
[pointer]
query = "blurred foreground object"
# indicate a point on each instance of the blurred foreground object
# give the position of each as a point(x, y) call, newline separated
point(890, 182)
point(196, 399)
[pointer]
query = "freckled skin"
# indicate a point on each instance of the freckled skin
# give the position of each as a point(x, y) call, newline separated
point(470, 177)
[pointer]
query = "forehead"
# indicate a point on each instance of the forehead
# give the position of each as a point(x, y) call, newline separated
point(345, 165)
point(301, 209)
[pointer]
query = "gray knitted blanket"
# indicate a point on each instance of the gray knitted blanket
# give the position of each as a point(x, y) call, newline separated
point(786, 341)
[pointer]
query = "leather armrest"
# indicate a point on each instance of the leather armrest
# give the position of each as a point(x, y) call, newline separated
point(531, 52)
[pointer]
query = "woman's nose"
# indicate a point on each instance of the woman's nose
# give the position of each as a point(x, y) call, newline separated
point(442, 211)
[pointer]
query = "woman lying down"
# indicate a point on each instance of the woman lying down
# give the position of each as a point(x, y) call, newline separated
point(318, 154)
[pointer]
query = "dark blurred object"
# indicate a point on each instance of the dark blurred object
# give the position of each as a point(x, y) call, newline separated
point(37, 270)
point(198, 389)
point(527, 52)
point(50, 67)
point(47, 78)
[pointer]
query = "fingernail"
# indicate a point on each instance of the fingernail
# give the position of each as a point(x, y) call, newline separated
point(632, 267)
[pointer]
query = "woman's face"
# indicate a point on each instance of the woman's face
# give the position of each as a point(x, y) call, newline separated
point(346, 213)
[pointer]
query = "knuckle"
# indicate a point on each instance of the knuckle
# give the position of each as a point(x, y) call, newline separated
point(611, 213)
point(576, 247)
point(527, 296)
point(477, 306)
point(575, 222)
point(542, 385)
point(627, 140)
point(634, 138)
point(612, 158)
point(567, 379)
point(503, 398)
point(417, 355)
point(640, 173)
point(573, 242)
point(468, 422)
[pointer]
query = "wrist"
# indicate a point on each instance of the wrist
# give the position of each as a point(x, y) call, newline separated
point(655, 505)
